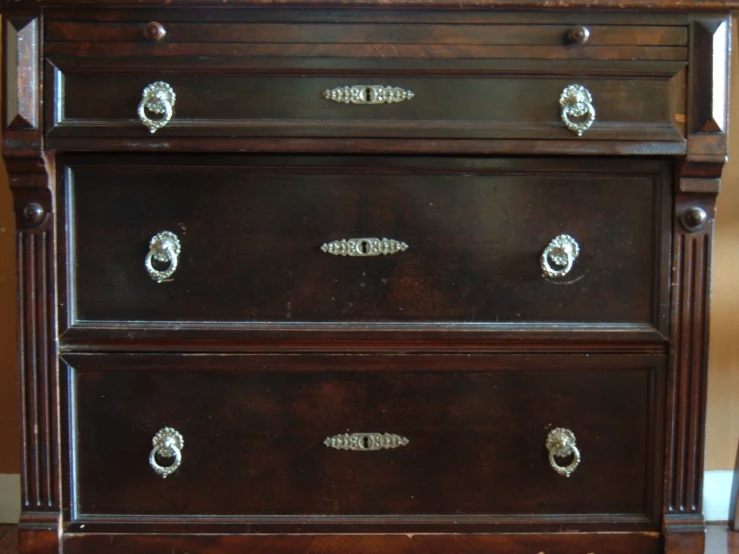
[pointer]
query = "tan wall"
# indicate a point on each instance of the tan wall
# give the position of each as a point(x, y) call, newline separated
point(723, 386)
point(723, 377)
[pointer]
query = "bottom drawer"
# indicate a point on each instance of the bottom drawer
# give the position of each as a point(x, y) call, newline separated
point(401, 436)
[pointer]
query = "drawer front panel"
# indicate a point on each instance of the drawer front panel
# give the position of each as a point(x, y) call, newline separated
point(468, 435)
point(259, 239)
point(293, 104)
point(347, 27)
point(390, 33)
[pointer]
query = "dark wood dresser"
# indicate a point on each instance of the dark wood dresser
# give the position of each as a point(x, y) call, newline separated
point(372, 277)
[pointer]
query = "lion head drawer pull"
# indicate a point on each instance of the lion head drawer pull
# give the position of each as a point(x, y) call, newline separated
point(168, 443)
point(561, 444)
point(367, 94)
point(365, 442)
point(363, 247)
point(159, 99)
point(164, 247)
point(577, 102)
point(563, 251)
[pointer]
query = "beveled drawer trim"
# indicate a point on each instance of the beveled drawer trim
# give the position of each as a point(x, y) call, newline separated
point(369, 51)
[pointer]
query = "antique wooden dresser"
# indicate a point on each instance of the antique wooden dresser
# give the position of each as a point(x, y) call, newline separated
point(375, 276)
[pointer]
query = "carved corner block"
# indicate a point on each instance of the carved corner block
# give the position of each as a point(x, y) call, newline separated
point(39, 533)
point(21, 44)
point(684, 535)
point(708, 97)
point(30, 181)
point(21, 76)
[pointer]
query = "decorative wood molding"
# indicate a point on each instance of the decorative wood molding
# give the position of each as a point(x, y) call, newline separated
point(691, 278)
point(652, 5)
point(21, 45)
point(709, 89)
point(37, 354)
point(21, 74)
point(30, 174)
point(38, 533)
point(695, 200)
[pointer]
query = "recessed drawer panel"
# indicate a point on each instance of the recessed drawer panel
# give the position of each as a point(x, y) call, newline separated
point(348, 436)
point(278, 239)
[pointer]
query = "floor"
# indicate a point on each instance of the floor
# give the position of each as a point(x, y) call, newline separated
point(718, 540)
point(8, 539)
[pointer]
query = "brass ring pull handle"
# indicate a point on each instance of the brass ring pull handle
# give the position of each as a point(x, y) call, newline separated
point(577, 102)
point(561, 444)
point(168, 443)
point(363, 247)
point(164, 247)
point(367, 94)
point(158, 98)
point(563, 251)
point(365, 442)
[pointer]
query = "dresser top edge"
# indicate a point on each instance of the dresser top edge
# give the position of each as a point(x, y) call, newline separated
point(553, 5)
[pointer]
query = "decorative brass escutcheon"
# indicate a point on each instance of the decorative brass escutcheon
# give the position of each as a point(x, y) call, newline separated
point(365, 442)
point(367, 94)
point(363, 247)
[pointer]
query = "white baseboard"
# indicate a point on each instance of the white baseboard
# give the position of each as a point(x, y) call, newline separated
point(716, 496)
point(10, 497)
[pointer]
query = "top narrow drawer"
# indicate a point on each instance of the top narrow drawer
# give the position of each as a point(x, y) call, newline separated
point(367, 33)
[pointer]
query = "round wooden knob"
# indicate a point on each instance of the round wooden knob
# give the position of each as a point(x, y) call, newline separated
point(34, 213)
point(578, 35)
point(694, 219)
point(154, 31)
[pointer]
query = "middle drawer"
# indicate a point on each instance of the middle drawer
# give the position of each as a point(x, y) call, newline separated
point(287, 239)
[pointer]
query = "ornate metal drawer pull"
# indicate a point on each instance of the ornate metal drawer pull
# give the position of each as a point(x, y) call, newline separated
point(164, 247)
point(158, 98)
point(367, 94)
point(363, 247)
point(561, 443)
point(365, 441)
point(563, 251)
point(576, 101)
point(168, 443)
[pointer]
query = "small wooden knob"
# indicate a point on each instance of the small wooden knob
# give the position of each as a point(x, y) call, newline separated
point(694, 219)
point(578, 35)
point(34, 213)
point(154, 31)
